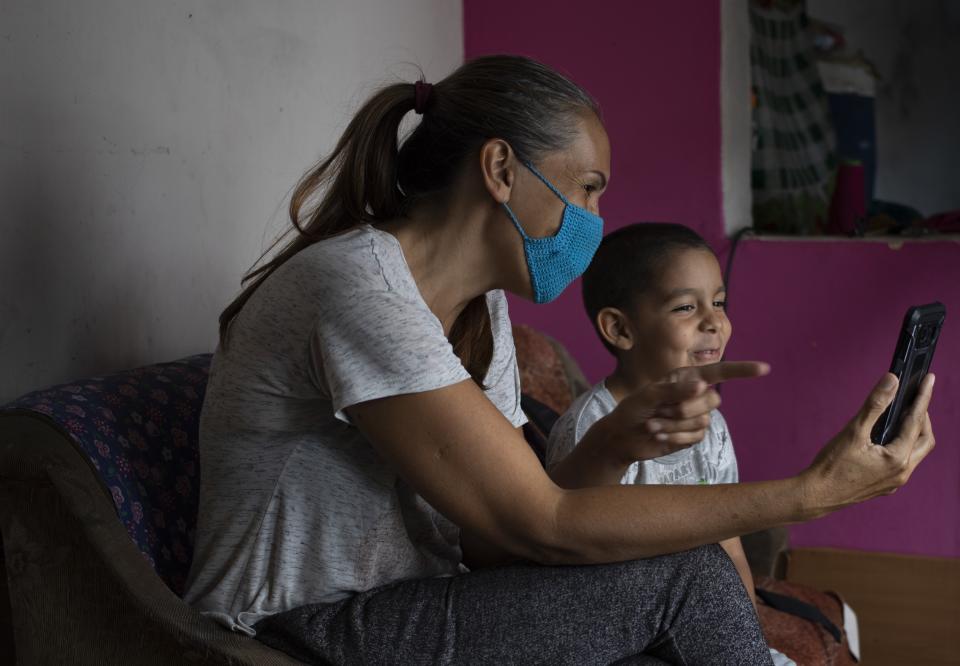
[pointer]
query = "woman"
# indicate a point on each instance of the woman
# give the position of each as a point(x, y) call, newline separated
point(359, 437)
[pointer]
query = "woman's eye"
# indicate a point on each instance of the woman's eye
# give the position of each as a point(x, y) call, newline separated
point(590, 189)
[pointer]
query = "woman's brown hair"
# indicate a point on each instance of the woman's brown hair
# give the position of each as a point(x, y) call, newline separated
point(371, 177)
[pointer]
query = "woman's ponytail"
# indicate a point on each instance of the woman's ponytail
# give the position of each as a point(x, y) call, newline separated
point(356, 183)
point(370, 177)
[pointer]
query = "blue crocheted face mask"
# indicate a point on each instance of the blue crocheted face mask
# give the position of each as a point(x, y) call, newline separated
point(556, 261)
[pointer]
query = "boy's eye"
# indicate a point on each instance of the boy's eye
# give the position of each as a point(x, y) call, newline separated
point(683, 308)
point(720, 304)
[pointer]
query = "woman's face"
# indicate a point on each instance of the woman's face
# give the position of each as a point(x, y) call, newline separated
point(581, 172)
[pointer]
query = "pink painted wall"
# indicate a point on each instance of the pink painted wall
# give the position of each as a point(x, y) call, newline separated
point(655, 70)
point(824, 314)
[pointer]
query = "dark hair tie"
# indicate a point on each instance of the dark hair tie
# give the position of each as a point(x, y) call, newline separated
point(421, 94)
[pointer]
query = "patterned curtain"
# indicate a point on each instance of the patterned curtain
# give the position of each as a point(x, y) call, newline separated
point(793, 164)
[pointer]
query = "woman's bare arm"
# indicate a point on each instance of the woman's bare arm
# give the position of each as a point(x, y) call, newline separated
point(463, 457)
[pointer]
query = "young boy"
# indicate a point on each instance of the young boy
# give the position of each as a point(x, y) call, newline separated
point(656, 297)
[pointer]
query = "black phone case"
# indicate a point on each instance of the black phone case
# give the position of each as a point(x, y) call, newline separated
point(911, 362)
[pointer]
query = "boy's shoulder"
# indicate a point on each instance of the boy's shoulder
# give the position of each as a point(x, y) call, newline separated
point(591, 406)
point(588, 408)
point(584, 411)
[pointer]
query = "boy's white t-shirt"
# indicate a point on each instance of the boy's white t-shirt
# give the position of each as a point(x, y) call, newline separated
point(710, 461)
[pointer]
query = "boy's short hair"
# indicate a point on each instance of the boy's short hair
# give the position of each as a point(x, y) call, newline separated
point(626, 264)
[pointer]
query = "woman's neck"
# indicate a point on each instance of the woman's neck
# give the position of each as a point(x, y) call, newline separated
point(447, 255)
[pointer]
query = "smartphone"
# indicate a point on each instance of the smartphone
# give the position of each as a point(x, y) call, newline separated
point(911, 361)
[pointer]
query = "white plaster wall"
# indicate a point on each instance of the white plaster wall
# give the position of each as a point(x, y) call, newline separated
point(146, 152)
point(915, 46)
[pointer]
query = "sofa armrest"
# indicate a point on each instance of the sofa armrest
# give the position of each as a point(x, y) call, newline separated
point(80, 591)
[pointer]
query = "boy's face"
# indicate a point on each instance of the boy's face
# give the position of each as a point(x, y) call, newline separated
point(682, 320)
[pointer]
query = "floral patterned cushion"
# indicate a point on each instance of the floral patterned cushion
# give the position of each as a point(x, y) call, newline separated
point(139, 429)
point(548, 373)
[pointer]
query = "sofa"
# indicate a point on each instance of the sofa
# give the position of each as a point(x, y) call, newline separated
point(99, 482)
point(98, 497)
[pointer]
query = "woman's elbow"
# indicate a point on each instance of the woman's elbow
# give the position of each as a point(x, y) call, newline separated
point(550, 542)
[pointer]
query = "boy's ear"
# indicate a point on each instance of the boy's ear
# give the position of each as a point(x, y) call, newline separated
point(615, 328)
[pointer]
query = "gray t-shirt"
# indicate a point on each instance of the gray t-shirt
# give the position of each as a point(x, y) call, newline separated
point(296, 507)
point(711, 460)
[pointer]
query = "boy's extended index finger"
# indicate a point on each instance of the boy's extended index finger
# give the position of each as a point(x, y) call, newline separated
point(724, 370)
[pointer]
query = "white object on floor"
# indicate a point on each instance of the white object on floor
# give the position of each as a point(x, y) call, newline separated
point(780, 659)
point(852, 629)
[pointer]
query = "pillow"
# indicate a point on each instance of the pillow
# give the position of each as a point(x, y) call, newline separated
point(547, 372)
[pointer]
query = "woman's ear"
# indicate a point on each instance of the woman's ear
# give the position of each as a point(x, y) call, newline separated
point(614, 328)
point(498, 168)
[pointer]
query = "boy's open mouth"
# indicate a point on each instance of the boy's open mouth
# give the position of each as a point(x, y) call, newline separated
point(706, 355)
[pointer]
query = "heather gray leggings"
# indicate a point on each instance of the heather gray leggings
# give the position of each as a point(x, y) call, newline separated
point(687, 608)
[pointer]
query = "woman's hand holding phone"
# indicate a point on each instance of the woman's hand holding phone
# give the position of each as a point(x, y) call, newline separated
point(851, 468)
